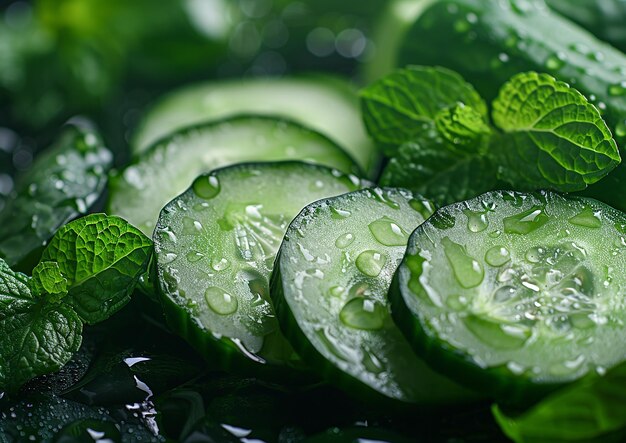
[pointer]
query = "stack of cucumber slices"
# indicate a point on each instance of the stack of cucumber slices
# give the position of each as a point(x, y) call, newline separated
point(273, 257)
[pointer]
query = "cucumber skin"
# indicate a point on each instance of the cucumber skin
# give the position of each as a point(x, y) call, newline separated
point(223, 354)
point(450, 362)
point(546, 34)
point(316, 361)
point(603, 18)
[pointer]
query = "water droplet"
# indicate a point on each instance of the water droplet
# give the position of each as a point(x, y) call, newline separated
point(339, 214)
point(168, 257)
point(476, 221)
point(503, 294)
point(497, 256)
point(556, 61)
point(219, 301)
point(620, 129)
point(534, 255)
point(371, 262)
point(525, 222)
point(363, 313)
point(387, 232)
point(219, 264)
point(206, 186)
point(344, 240)
point(337, 291)
point(191, 226)
point(587, 218)
point(468, 272)
point(194, 256)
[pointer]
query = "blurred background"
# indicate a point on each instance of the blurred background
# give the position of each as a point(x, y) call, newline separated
point(107, 60)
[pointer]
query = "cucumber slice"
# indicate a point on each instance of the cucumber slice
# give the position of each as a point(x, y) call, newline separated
point(516, 293)
point(328, 105)
point(215, 246)
point(170, 165)
point(329, 288)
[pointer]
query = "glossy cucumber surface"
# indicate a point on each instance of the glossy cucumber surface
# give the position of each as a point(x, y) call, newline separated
point(516, 293)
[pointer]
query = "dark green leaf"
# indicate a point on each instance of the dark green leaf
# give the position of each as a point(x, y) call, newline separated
point(403, 105)
point(62, 184)
point(554, 131)
point(102, 258)
point(431, 169)
point(590, 409)
point(36, 338)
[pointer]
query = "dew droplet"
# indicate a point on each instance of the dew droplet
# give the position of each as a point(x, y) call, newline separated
point(219, 264)
point(363, 313)
point(497, 256)
point(168, 257)
point(220, 301)
point(525, 222)
point(587, 218)
point(339, 214)
point(371, 262)
point(191, 226)
point(534, 255)
point(337, 291)
point(206, 186)
point(620, 129)
point(556, 61)
point(344, 240)
point(476, 221)
point(194, 256)
point(468, 272)
point(387, 232)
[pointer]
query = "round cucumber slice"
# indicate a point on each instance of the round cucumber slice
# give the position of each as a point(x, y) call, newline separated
point(328, 105)
point(215, 247)
point(330, 291)
point(140, 191)
point(516, 293)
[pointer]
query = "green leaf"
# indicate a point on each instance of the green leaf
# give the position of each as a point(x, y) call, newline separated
point(48, 279)
point(465, 129)
point(430, 168)
point(63, 183)
point(35, 338)
point(554, 132)
point(102, 258)
point(592, 408)
point(403, 105)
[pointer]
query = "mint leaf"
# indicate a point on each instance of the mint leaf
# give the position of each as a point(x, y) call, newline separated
point(465, 129)
point(432, 169)
point(35, 338)
point(62, 184)
point(401, 106)
point(48, 279)
point(101, 257)
point(553, 131)
point(592, 408)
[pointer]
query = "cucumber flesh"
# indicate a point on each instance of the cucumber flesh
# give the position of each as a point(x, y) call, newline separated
point(215, 247)
point(330, 291)
point(326, 104)
point(168, 168)
point(516, 293)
